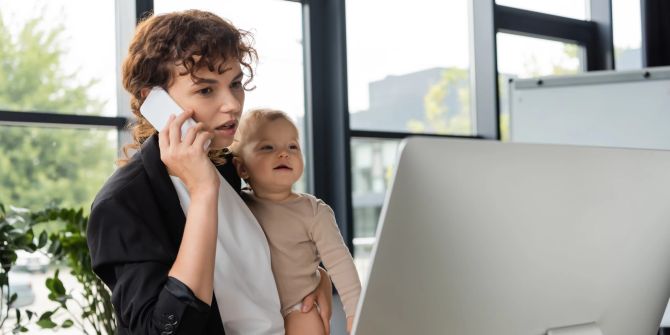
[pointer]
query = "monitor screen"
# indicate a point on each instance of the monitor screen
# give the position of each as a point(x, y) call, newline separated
point(484, 237)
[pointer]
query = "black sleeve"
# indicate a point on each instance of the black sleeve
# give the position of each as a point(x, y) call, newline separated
point(146, 305)
point(133, 257)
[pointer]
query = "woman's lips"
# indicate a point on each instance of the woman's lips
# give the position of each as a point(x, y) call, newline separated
point(225, 131)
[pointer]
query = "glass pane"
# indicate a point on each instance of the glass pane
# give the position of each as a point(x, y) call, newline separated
point(277, 32)
point(400, 77)
point(372, 164)
point(626, 20)
point(40, 167)
point(64, 167)
point(527, 57)
point(576, 9)
point(58, 57)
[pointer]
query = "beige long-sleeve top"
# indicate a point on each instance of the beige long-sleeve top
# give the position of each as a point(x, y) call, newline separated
point(302, 232)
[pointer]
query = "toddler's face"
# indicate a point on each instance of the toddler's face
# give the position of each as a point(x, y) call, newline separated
point(272, 157)
point(217, 99)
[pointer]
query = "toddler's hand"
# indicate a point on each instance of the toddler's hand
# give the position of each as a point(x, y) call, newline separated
point(350, 323)
point(323, 296)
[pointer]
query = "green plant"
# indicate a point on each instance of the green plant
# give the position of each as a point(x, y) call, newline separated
point(65, 244)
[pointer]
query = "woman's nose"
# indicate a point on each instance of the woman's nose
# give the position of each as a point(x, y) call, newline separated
point(231, 104)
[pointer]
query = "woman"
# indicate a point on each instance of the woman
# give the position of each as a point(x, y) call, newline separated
point(158, 261)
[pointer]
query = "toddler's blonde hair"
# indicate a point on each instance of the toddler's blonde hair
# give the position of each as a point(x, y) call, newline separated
point(250, 122)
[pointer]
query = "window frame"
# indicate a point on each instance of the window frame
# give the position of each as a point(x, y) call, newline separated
point(655, 33)
point(595, 35)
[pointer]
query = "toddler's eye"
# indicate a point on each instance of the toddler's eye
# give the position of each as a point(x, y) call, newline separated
point(266, 148)
point(294, 147)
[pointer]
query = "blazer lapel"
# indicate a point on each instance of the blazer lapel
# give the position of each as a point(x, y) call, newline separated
point(164, 191)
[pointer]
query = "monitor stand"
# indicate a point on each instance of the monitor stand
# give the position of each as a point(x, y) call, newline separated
point(582, 329)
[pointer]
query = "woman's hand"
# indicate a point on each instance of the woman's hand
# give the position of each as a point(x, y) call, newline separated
point(323, 297)
point(186, 157)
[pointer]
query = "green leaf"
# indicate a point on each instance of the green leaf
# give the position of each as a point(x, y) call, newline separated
point(46, 315)
point(44, 237)
point(7, 257)
point(12, 299)
point(67, 323)
point(22, 241)
point(55, 246)
point(57, 286)
point(46, 323)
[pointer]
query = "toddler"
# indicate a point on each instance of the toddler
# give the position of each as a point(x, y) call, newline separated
point(300, 228)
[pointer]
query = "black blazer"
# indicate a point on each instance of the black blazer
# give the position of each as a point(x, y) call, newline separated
point(134, 232)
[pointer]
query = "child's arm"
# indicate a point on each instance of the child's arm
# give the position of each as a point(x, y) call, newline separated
point(336, 258)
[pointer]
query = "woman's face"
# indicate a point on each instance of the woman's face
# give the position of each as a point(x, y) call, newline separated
point(217, 99)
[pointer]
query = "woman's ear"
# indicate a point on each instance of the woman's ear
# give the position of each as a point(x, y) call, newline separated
point(241, 169)
point(144, 92)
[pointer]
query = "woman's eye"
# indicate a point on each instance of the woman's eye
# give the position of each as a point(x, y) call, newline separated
point(205, 91)
point(236, 85)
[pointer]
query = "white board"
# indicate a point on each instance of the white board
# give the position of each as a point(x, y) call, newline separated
point(629, 109)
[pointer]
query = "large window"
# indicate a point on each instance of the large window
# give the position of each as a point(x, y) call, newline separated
point(401, 77)
point(57, 57)
point(59, 130)
point(52, 62)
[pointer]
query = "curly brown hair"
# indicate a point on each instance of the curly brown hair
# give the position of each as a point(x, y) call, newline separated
point(193, 39)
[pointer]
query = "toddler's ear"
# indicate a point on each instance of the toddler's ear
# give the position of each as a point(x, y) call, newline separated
point(241, 169)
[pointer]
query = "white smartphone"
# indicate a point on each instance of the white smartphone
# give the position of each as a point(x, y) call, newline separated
point(157, 108)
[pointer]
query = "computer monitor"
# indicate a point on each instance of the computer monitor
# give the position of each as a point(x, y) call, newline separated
point(482, 237)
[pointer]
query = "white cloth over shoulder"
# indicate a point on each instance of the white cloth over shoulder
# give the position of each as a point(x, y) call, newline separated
point(244, 286)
